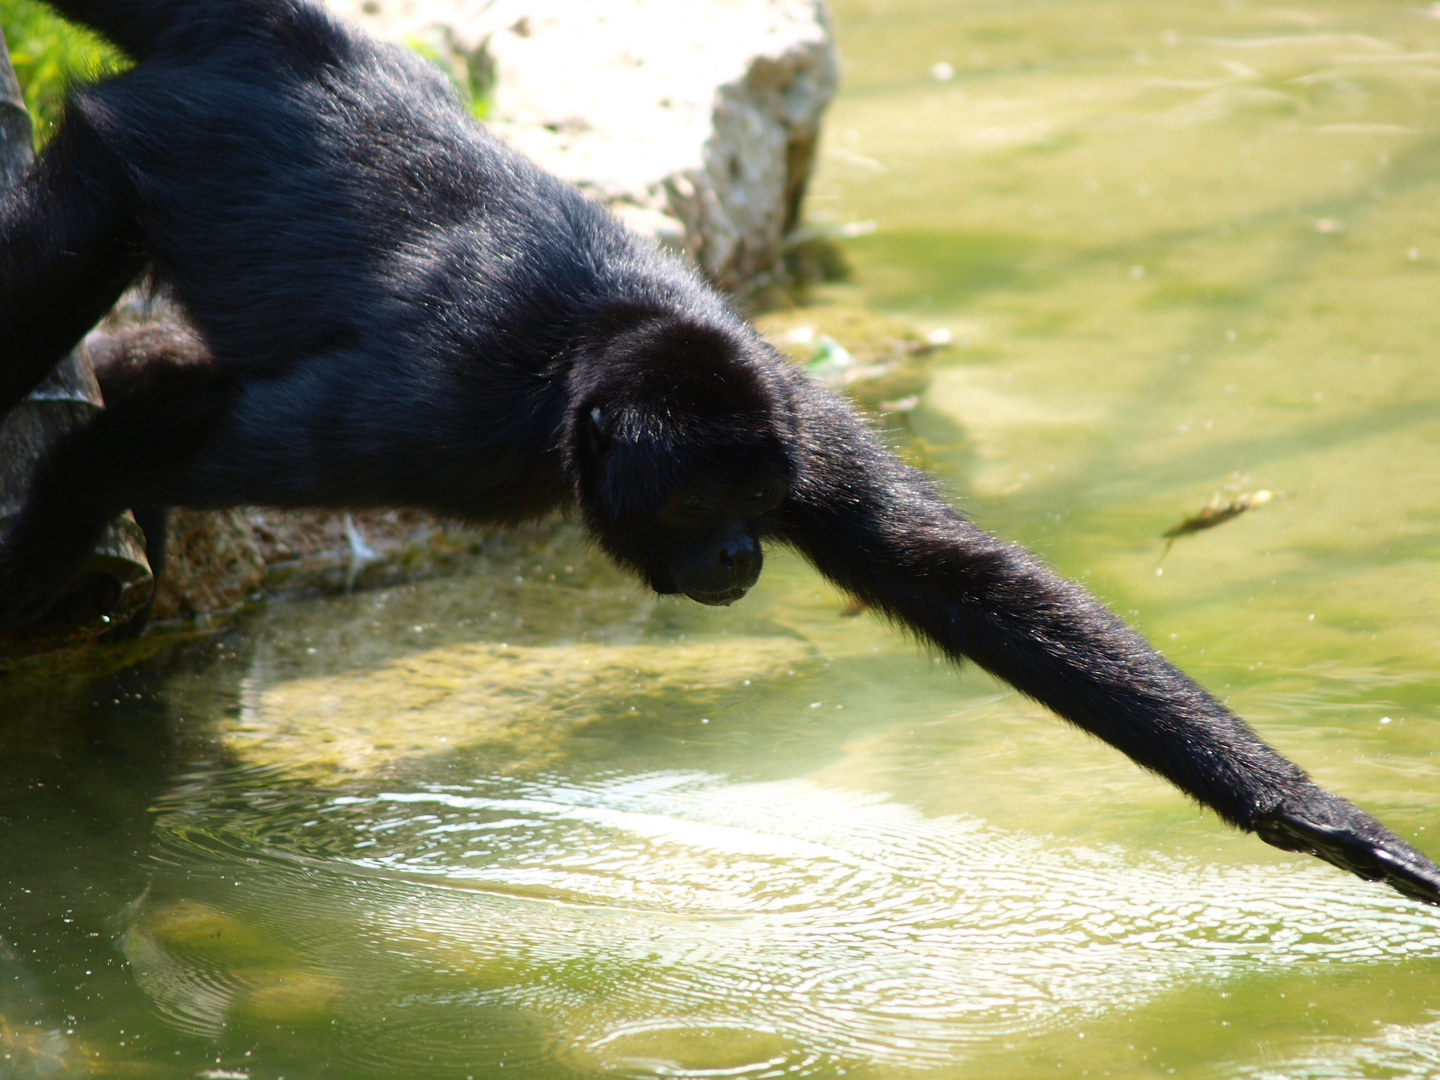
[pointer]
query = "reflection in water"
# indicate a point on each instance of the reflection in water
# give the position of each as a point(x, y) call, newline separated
point(636, 920)
point(1397, 1053)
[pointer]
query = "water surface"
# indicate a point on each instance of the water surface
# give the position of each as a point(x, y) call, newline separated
point(527, 821)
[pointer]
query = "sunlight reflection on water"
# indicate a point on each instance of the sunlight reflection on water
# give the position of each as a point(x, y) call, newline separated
point(840, 924)
point(1397, 1052)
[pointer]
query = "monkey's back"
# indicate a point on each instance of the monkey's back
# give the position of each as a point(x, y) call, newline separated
point(383, 202)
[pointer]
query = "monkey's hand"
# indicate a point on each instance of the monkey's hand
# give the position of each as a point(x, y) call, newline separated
point(1325, 825)
point(37, 567)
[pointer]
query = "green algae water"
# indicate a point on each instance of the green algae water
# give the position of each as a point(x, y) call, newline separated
point(528, 822)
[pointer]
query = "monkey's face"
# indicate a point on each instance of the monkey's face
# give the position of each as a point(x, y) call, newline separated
point(699, 538)
point(682, 496)
point(705, 540)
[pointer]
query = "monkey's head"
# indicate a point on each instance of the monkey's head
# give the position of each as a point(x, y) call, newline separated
point(680, 454)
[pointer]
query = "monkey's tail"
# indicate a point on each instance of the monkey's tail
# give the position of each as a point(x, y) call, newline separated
point(143, 27)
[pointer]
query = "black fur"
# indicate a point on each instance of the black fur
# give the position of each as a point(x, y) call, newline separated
point(398, 310)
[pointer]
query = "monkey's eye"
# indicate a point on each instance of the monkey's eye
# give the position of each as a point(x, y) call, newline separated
point(692, 504)
point(759, 494)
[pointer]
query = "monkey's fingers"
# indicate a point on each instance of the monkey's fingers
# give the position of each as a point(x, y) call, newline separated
point(1378, 856)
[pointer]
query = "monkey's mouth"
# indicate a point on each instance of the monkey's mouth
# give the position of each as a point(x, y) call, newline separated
point(723, 598)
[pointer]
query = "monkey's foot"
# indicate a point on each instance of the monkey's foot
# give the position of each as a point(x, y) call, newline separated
point(37, 569)
point(1328, 827)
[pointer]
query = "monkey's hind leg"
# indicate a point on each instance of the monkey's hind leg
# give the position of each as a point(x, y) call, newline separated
point(135, 452)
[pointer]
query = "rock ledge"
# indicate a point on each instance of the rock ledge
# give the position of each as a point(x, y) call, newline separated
point(694, 120)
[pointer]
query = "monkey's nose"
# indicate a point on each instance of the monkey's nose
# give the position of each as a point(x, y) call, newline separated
point(740, 556)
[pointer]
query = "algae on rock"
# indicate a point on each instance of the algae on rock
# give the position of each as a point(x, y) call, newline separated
point(521, 705)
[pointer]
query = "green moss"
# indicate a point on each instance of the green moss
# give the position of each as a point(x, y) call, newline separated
point(49, 56)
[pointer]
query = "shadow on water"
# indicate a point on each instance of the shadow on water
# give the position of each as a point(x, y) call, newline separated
point(81, 768)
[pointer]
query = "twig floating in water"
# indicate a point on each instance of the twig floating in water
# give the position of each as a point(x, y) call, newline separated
point(1216, 512)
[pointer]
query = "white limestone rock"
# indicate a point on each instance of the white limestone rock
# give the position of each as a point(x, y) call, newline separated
point(694, 120)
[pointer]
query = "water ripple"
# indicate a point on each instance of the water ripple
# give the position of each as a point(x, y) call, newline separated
point(797, 924)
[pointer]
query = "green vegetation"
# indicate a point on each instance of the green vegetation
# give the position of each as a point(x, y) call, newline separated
point(50, 55)
point(471, 73)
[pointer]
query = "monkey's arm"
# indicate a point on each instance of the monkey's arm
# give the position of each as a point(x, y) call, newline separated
point(877, 529)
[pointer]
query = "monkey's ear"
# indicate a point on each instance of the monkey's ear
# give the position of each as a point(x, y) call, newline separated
point(598, 433)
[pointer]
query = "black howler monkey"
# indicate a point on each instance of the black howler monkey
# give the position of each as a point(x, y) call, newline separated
point(398, 310)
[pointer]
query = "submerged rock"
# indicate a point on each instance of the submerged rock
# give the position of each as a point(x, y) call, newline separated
point(205, 970)
point(521, 705)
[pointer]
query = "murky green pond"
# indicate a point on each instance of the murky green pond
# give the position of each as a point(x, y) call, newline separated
point(529, 822)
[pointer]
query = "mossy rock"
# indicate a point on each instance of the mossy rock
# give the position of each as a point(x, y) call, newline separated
point(205, 969)
point(519, 705)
